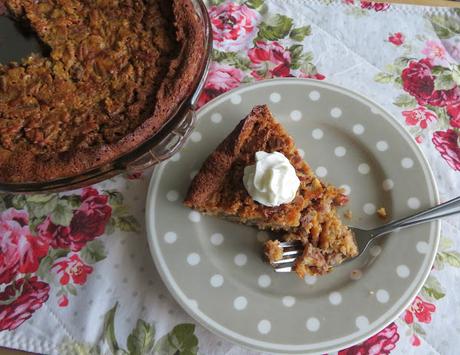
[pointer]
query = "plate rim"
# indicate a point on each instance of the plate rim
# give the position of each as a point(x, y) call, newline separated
point(296, 349)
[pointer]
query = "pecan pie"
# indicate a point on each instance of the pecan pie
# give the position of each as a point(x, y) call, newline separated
point(311, 217)
point(116, 72)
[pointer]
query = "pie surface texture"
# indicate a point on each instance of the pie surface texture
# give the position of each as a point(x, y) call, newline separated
point(311, 217)
point(115, 73)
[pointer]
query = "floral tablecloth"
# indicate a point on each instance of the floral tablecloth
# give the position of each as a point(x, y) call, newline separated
point(76, 275)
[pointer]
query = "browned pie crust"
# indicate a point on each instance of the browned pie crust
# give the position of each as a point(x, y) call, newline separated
point(311, 217)
point(100, 93)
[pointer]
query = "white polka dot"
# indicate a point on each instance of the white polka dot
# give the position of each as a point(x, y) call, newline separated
point(240, 259)
point(321, 171)
point(313, 324)
point(170, 237)
point(314, 95)
point(402, 271)
point(275, 97)
point(388, 185)
point(346, 189)
point(235, 99)
point(193, 174)
point(375, 110)
point(264, 281)
point(262, 236)
point(407, 163)
point(196, 137)
point(216, 117)
point(336, 112)
point(422, 247)
point(301, 152)
point(340, 151)
point(369, 208)
point(317, 133)
point(364, 168)
point(194, 216)
point(362, 322)
point(216, 280)
point(264, 326)
point(375, 250)
point(382, 146)
point(356, 274)
point(172, 196)
point(176, 157)
point(288, 301)
point(413, 203)
point(217, 239)
point(193, 259)
point(296, 115)
point(358, 129)
point(335, 298)
point(382, 296)
point(310, 280)
point(240, 303)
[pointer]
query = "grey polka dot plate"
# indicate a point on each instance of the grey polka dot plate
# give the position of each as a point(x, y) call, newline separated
point(214, 268)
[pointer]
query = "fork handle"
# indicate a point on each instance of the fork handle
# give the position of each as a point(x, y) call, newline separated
point(445, 209)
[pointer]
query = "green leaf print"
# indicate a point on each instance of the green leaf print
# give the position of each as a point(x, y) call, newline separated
point(296, 51)
point(62, 213)
point(255, 4)
point(180, 340)
point(115, 197)
point(93, 252)
point(278, 27)
point(450, 257)
point(446, 26)
point(444, 81)
point(405, 101)
point(432, 289)
point(41, 205)
point(109, 329)
point(127, 223)
point(142, 338)
point(18, 202)
point(384, 78)
point(418, 329)
point(298, 34)
point(44, 269)
point(231, 58)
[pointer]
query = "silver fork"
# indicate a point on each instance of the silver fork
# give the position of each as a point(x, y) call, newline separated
point(363, 238)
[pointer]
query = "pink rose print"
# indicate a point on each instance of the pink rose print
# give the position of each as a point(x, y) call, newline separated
point(34, 294)
point(446, 142)
point(396, 38)
point(72, 268)
point(221, 78)
point(419, 82)
point(381, 343)
point(89, 220)
point(415, 340)
point(421, 309)
point(419, 116)
point(269, 59)
point(20, 251)
point(234, 26)
point(419, 139)
point(58, 236)
point(377, 6)
point(435, 52)
point(454, 113)
point(63, 301)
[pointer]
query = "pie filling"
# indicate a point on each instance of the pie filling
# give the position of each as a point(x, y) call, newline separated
point(111, 67)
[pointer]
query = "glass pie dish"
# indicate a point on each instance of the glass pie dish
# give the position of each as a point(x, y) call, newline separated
point(156, 148)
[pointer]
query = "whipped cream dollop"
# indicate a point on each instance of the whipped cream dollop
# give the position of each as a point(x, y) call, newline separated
point(272, 180)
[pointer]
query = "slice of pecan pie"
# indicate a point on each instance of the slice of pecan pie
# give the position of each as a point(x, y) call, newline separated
point(311, 217)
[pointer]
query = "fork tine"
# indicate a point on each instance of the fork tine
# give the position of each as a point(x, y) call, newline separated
point(283, 269)
point(291, 244)
point(284, 261)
